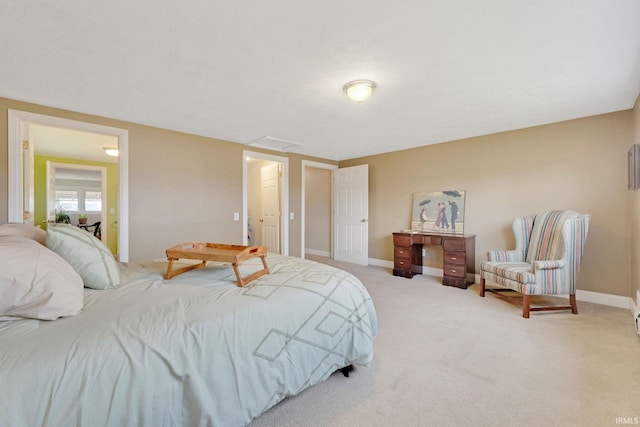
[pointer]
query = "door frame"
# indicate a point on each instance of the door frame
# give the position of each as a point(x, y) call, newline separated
point(285, 194)
point(303, 216)
point(17, 120)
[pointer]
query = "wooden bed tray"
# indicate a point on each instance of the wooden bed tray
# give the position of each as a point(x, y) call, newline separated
point(235, 254)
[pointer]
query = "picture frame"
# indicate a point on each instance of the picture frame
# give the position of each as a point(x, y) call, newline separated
point(633, 167)
point(438, 211)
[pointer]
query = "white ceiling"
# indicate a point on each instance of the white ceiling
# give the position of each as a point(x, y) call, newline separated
point(72, 144)
point(240, 71)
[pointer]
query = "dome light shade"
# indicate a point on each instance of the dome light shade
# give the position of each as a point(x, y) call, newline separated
point(359, 90)
point(111, 151)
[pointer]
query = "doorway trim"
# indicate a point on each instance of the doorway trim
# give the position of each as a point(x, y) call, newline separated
point(303, 216)
point(19, 118)
point(285, 195)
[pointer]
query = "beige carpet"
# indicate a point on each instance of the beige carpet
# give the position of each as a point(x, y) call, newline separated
point(446, 357)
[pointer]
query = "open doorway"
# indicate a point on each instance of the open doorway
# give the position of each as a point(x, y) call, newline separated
point(317, 216)
point(266, 201)
point(23, 144)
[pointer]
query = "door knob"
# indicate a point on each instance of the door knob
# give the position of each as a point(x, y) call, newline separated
point(363, 220)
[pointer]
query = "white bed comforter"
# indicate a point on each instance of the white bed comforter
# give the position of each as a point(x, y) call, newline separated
point(192, 351)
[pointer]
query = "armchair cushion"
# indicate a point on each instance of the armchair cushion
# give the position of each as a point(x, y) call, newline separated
point(517, 271)
point(547, 242)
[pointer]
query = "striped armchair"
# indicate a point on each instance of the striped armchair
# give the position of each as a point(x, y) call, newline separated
point(546, 260)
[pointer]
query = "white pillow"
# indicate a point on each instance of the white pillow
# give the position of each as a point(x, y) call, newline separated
point(25, 230)
point(35, 282)
point(91, 259)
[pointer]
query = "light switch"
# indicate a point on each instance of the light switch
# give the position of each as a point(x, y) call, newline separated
point(236, 216)
point(291, 215)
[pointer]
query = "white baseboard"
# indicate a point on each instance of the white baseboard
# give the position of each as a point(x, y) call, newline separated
point(585, 296)
point(317, 252)
point(604, 299)
point(380, 262)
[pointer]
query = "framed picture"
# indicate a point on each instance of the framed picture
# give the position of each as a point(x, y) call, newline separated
point(439, 211)
point(633, 165)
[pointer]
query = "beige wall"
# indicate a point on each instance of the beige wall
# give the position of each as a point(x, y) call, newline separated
point(578, 164)
point(635, 211)
point(317, 209)
point(184, 187)
point(181, 187)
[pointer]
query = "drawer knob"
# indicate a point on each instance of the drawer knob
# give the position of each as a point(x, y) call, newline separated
point(453, 271)
point(453, 257)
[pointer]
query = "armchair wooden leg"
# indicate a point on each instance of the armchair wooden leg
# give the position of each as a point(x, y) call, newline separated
point(482, 286)
point(526, 305)
point(574, 304)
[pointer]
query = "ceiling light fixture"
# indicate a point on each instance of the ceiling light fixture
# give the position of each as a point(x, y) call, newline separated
point(359, 90)
point(113, 152)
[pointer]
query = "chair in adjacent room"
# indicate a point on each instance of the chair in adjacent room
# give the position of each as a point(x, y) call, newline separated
point(546, 260)
point(95, 228)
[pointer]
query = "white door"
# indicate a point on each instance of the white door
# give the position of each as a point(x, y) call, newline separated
point(270, 218)
point(351, 214)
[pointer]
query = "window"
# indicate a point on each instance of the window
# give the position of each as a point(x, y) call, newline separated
point(93, 201)
point(67, 200)
point(78, 200)
point(79, 188)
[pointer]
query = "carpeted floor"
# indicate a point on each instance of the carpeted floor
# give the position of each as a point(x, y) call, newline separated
point(446, 357)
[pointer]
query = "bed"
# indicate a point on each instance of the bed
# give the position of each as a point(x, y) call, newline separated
point(195, 350)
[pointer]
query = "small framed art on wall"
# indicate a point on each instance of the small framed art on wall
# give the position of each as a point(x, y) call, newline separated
point(633, 164)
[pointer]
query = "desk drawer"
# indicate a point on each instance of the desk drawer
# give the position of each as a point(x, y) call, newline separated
point(457, 258)
point(453, 244)
point(455, 271)
point(402, 262)
point(401, 252)
point(432, 240)
point(402, 240)
point(425, 239)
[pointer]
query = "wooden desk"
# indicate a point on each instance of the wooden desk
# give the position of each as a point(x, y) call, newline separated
point(234, 254)
point(458, 253)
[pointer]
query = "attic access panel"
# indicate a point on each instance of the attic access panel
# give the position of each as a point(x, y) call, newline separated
point(277, 144)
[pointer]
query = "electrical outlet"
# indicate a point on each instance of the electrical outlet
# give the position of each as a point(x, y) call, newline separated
point(291, 216)
point(236, 216)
